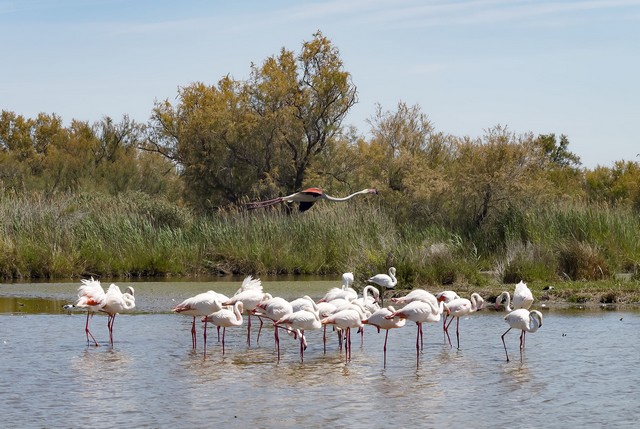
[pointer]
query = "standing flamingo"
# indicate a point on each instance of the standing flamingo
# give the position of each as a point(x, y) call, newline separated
point(524, 320)
point(419, 312)
point(386, 281)
point(274, 309)
point(306, 198)
point(446, 296)
point(416, 295)
point(117, 302)
point(202, 304)
point(251, 294)
point(461, 307)
point(380, 321)
point(522, 298)
point(226, 318)
point(301, 320)
point(91, 297)
point(344, 320)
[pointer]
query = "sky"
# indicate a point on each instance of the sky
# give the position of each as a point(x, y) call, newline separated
point(562, 67)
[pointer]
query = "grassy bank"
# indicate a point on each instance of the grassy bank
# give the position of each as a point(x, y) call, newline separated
point(132, 235)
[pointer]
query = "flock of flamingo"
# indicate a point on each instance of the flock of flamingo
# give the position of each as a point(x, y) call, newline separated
point(340, 308)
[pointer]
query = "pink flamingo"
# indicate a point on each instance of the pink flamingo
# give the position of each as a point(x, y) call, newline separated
point(419, 312)
point(522, 298)
point(251, 294)
point(117, 302)
point(202, 304)
point(307, 198)
point(345, 320)
point(91, 297)
point(302, 320)
point(227, 318)
point(380, 321)
point(461, 307)
point(526, 321)
point(274, 309)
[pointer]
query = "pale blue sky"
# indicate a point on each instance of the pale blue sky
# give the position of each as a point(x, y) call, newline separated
point(563, 67)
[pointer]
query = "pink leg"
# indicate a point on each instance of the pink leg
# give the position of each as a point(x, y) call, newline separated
point(205, 338)
point(249, 330)
point(193, 333)
point(259, 329)
point(385, 348)
point(457, 331)
point(87, 331)
point(324, 338)
point(446, 331)
point(224, 331)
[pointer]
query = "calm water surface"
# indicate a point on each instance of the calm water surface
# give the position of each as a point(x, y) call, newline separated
point(580, 368)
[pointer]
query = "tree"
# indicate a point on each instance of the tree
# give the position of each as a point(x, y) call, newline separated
point(258, 137)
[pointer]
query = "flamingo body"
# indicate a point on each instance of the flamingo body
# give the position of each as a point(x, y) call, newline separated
point(526, 321)
point(307, 198)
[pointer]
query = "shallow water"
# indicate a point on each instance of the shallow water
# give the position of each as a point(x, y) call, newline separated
point(580, 368)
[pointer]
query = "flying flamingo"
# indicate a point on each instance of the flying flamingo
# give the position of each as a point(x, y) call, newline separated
point(306, 198)
point(227, 318)
point(301, 320)
point(91, 297)
point(524, 320)
point(461, 307)
point(117, 302)
point(522, 298)
point(274, 309)
point(380, 321)
point(386, 281)
point(202, 304)
point(419, 312)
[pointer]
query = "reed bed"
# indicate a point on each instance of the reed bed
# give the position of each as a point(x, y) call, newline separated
point(133, 235)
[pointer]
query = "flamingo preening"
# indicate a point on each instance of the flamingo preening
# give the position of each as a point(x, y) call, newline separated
point(91, 297)
point(307, 198)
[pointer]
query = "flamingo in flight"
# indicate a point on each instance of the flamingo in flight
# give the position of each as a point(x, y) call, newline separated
point(117, 302)
point(526, 321)
point(91, 297)
point(307, 198)
point(522, 298)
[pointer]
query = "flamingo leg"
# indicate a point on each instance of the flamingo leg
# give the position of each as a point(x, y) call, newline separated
point(457, 331)
point(205, 338)
point(193, 333)
point(249, 331)
point(444, 326)
point(224, 331)
point(446, 331)
point(218, 333)
point(277, 339)
point(87, 331)
point(505, 346)
point(302, 345)
point(324, 338)
point(259, 329)
point(385, 348)
point(110, 322)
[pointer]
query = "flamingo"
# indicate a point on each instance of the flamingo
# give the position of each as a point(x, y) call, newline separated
point(387, 281)
point(202, 304)
point(302, 320)
point(274, 309)
point(461, 307)
point(380, 321)
point(334, 293)
point(91, 297)
point(251, 294)
point(416, 295)
point(419, 312)
point(347, 280)
point(227, 318)
point(447, 296)
point(345, 320)
point(526, 321)
point(522, 298)
point(307, 198)
point(325, 309)
point(117, 302)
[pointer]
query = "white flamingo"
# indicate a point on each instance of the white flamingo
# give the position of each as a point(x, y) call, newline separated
point(227, 318)
point(419, 312)
point(526, 321)
point(274, 309)
point(117, 302)
point(461, 307)
point(302, 320)
point(199, 305)
point(345, 320)
point(522, 298)
point(250, 294)
point(91, 297)
point(446, 296)
point(380, 321)
point(385, 281)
